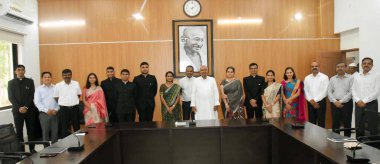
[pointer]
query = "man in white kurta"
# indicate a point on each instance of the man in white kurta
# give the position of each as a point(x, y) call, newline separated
point(205, 97)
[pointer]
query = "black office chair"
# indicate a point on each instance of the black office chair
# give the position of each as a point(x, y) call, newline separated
point(371, 133)
point(11, 150)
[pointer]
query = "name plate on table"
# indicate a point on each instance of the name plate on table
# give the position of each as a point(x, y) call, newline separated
point(180, 124)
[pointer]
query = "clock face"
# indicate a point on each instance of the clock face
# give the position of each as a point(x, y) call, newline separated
point(192, 8)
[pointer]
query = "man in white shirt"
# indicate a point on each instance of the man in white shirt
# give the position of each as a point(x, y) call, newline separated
point(353, 71)
point(186, 84)
point(48, 107)
point(365, 90)
point(205, 96)
point(67, 93)
point(316, 85)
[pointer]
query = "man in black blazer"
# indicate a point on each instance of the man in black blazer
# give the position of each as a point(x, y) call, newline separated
point(20, 94)
point(109, 88)
point(146, 91)
point(126, 93)
point(253, 86)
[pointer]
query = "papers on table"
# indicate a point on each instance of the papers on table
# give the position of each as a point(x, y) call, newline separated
point(52, 150)
point(341, 139)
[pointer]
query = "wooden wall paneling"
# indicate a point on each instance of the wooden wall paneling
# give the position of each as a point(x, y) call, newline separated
point(111, 20)
point(275, 44)
point(327, 19)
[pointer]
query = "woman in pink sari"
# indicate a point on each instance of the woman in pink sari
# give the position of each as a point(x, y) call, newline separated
point(95, 109)
point(293, 96)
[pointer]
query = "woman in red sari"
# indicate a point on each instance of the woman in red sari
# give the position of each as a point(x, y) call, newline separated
point(293, 96)
point(95, 109)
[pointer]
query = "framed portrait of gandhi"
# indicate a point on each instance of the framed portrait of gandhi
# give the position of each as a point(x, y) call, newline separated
point(192, 46)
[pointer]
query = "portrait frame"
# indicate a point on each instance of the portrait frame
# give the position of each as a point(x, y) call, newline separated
point(187, 39)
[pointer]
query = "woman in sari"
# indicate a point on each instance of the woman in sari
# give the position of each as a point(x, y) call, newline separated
point(271, 96)
point(232, 96)
point(293, 96)
point(169, 95)
point(95, 109)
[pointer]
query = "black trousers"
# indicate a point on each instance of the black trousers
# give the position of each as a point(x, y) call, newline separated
point(68, 116)
point(256, 112)
point(367, 114)
point(342, 115)
point(111, 109)
point(30, 121)
point(186, 111)
point(317, 116)
point(145, 113)
point(126, 117)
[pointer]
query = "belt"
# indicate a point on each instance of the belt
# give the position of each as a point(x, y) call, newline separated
point(70, 107)
point(372, 102)
point(345, 102)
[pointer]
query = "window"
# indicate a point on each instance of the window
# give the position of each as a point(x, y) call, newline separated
point(6, 71)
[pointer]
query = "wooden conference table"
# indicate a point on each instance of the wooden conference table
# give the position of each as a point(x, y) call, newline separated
point(214, 141)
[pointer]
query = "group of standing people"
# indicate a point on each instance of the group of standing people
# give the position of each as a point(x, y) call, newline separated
point(265, 98)
point(57, 106)
point(116, 100)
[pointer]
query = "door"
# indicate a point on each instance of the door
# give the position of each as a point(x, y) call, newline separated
point(327, 62)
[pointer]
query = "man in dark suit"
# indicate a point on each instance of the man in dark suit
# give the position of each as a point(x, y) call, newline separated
point(126, 93)
point(109, 88)
point(253, 86)
point(20, 94)
point(146, 91)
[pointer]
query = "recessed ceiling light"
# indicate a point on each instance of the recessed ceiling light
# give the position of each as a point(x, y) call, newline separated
point(63, 23)
point(298, 16)
point(138, 16)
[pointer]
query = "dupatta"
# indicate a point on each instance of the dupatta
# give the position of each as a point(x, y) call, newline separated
point(301, 108)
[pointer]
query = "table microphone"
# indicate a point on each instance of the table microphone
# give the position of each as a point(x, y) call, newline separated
point(79, 147)
point(359, 160)
point(108, 124)
point(367, 137)
point(192, 122)
point(297, 126)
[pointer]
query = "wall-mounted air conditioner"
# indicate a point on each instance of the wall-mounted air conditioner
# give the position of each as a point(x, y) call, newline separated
point(10, 12)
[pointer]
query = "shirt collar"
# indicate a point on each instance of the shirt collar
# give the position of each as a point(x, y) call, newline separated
point(318, 74)
point(144, 76)
point(51, 85)
point(71, 81)
point(203, 78)
point(344, 76)
point(369, 73)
